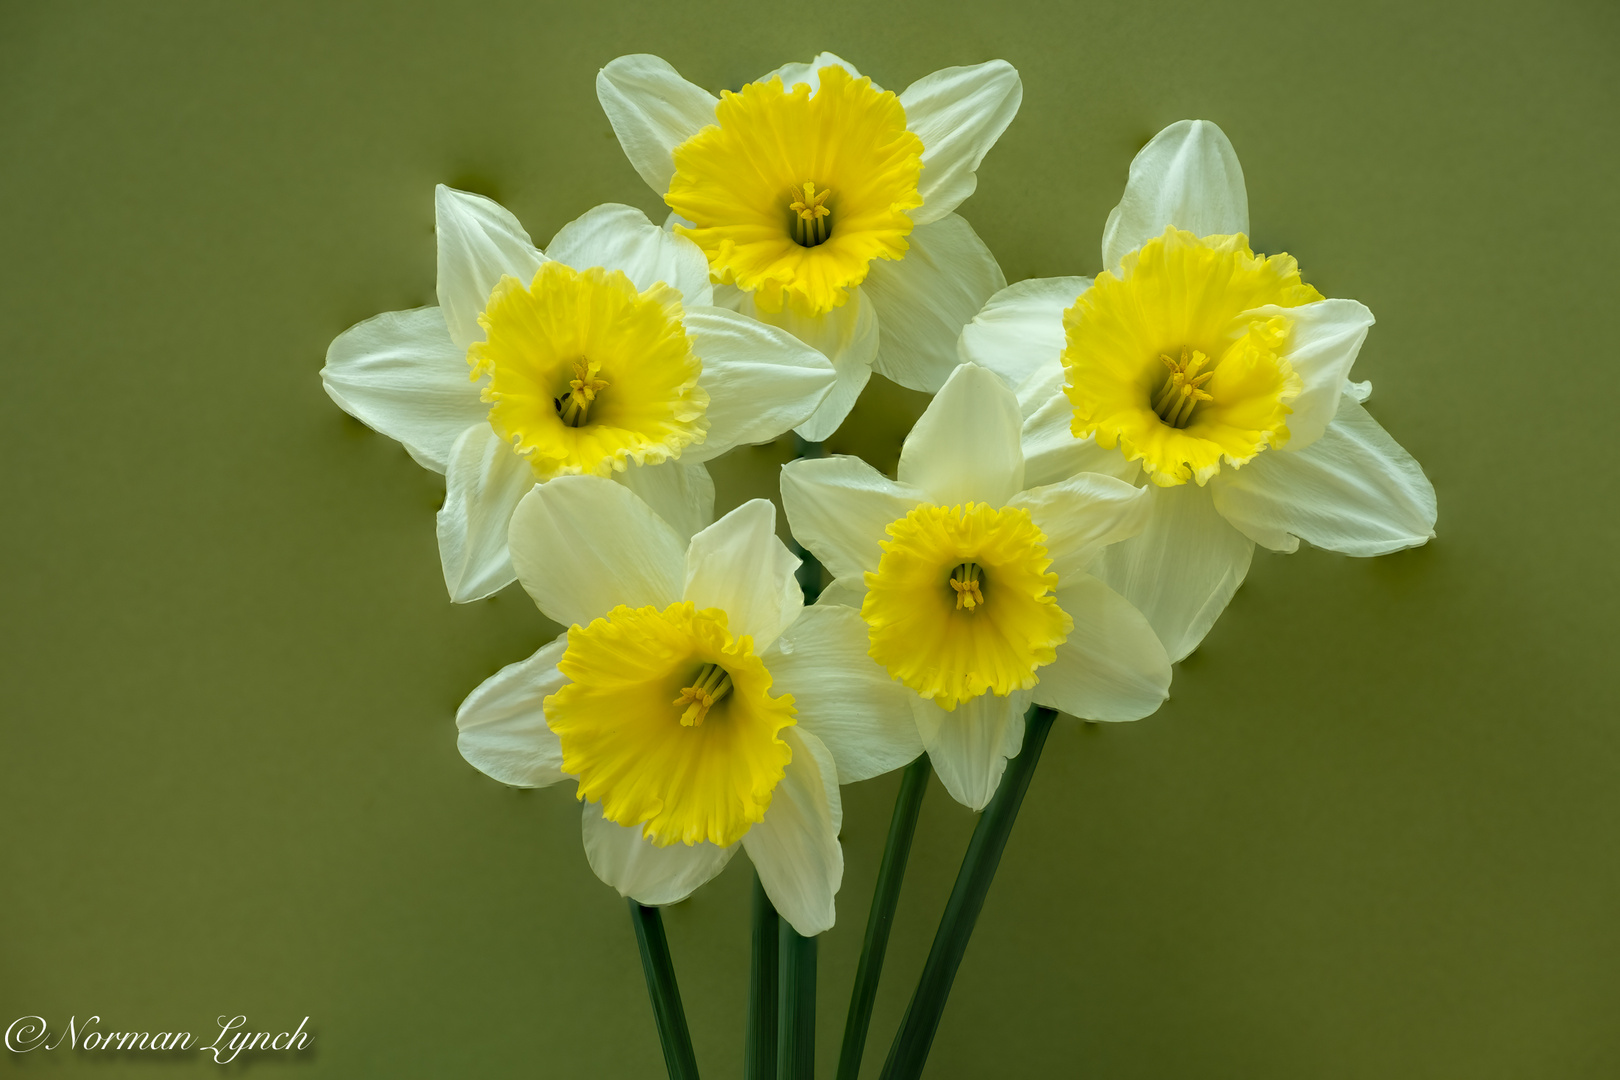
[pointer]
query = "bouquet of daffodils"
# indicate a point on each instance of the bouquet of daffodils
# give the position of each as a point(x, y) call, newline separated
point(1072, 512)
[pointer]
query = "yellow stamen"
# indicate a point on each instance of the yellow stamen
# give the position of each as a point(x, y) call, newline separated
point(965, 580)
point(575, 405)
point(814, 220)
point(1184, 388)
point(713, 683)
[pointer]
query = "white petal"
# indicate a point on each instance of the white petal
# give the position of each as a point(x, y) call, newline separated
point(795, 848)
point(1182, 570)
point(399, 373)
point(969, 746)
point(1322, 344)
point(849, 380)
point(1111, 666)
point(761, 381)
point(1361, 391)
point(621, 238)
point(1354, 490)
point(653, 110)
point(847, 336)
point(1051, 452)
point(1189, 177)
point(1020, 330)
point(965, 446)
point(959, 113)
point(502, 724)
point(839, 507)
point(847, 592)
point(642, 870)
point(480, 242)
point(810, 74)
point(1039, 387)
point(1084, 514)
point(842, 695)
point(483, 482)
point(739, 566)
point(924, 299)
point(582, 545)
point(683, 495)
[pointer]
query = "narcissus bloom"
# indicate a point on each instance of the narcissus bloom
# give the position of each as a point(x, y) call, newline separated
point(824, 203)
point(1216, 377)
point(976, 592)
point(694, 698)
point(603, 355)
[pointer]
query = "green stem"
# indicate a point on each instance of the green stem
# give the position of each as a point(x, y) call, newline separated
point(796, 1027)
point(916, 1034)
point(907, 805)
point(666, 996)
point(759, 1053)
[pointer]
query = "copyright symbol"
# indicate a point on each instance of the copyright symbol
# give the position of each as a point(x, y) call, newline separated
point(25, 1033)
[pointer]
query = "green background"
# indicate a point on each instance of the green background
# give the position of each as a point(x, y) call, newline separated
point(1372, 834)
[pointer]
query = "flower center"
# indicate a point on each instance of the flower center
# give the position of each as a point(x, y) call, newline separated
point(575, 405)
point(552, 349)
point(1183, 390)
point(1224, 400)
point(702, 771)
point(946, 643)
point(730, 179)
point(813, 219)
point(965, 583)
point(713, 682)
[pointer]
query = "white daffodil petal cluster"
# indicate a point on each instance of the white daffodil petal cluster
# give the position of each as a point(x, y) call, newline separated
point(965, 453)
point(889, 289)
point(411, 374)
point(1274, 448)
point(1069, 516)
point(594, 556)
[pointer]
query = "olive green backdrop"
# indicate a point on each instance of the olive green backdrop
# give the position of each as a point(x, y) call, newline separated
point(1372, 834)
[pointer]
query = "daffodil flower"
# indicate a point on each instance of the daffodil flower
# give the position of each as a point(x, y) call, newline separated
point(824, 205)
point(975, 591)
point(601, 355)
point(1215, 376)
point(694, 698)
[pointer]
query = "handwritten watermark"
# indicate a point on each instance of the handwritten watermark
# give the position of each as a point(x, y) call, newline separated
point(29, 1033)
